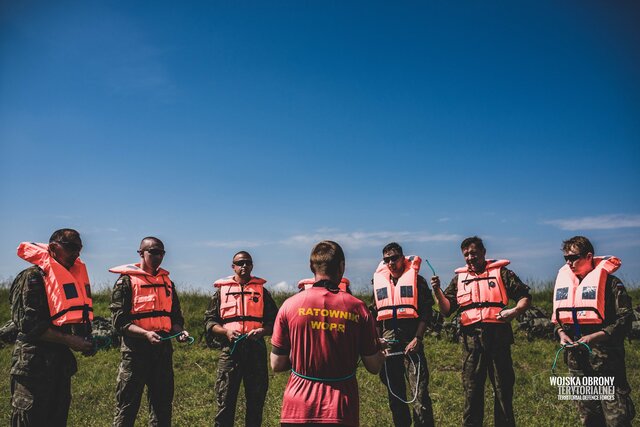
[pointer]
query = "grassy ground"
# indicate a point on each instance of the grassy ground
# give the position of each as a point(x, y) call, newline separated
point(535, 404)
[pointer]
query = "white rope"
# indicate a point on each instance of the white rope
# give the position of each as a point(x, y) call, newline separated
point(416, 371)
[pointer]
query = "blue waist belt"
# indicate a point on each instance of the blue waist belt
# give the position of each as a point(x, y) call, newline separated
point(323, 380)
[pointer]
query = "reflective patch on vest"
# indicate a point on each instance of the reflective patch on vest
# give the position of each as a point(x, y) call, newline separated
point(589, 292)
point(562, 293)
point(87, 290)
point(70, 290)
point(381, 294)
point(406, 291)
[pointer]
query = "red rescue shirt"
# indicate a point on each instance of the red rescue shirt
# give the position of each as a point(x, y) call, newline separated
point(326, 333)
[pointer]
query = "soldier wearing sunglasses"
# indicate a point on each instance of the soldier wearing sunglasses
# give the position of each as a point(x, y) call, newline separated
point(51, 307)
point(240, 314)
point(145, 309)
point(403, 308)
point(480, 292)
point(593, 313)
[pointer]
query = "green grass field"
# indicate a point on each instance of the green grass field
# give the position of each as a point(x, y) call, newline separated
point(535, 404)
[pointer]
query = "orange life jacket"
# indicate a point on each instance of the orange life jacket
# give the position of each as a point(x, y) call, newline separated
point(241, 307)
point(68, 291)
point(582, 302)
point(307, 283)
point(400, 300)
point(151, 297)
point(481, 296)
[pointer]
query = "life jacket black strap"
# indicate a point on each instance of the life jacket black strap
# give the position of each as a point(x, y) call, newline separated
point(84, 308)
point(477, 279)
point(146, 315)
point(241, 319)
point(395, 308)
point(481, 305)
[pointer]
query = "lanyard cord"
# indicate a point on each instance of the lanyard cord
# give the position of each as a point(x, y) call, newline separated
point(190, 339)
point(330, 380)
point(564, 346)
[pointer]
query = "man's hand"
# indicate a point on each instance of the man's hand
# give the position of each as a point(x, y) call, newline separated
point(565, 340)
point(77, 343)
point(255, 334)
point(152, 337)
point(383, 344)
point(593, 338)
point(435, 282)
point(232, 335)
point(183, 337)
point(507, 314)
point(412, 346)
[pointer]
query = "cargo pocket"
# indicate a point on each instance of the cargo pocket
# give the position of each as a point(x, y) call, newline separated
point(143, 303)
point(228, 308)
point(464, 299)
point(22, 394)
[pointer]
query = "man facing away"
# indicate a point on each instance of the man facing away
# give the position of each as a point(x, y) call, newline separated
point(593, 313)
point(403, 307)
point(480, 291)
point(240, 314)
point(145, 309)
point(52, 308)
point(320, 334)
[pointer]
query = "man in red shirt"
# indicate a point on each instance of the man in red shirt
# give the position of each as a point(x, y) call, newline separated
point(319, 334)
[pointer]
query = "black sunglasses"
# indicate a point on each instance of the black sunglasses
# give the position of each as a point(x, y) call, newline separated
point(572, 258)
point(70, 246)
point(155, 252)
point(243, 263)
point(390, 259)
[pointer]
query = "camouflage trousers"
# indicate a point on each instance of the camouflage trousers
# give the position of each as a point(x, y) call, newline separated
point(40, 401)
point(414, 367)
point(603, 362)
point(247, 364)
point(479, 359)
point(154, 369)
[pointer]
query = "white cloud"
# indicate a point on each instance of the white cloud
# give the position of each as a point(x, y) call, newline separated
point(602, 222)
point(282, 287)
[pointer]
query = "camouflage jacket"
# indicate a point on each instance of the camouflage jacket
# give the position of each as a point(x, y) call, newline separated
point(121, 313)
point(212, 315)
point(33, 357)
point(618, 314)
point(404, 330)
point(516, 290)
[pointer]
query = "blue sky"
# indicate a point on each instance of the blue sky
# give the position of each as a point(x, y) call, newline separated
point(268, 126)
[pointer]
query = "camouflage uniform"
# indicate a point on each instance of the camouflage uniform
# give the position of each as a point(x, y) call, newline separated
point(607, 359)
point(142, 363)
point(400, 332)
point(487, 350)
point(40, 371)
point(248, 363)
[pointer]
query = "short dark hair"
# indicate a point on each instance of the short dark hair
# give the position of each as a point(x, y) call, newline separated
point(64, 235)
point(245, 253)
point(393, 246)
point(583, 245)
point(326, 257)
point(155, 239)
point(471, 241)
